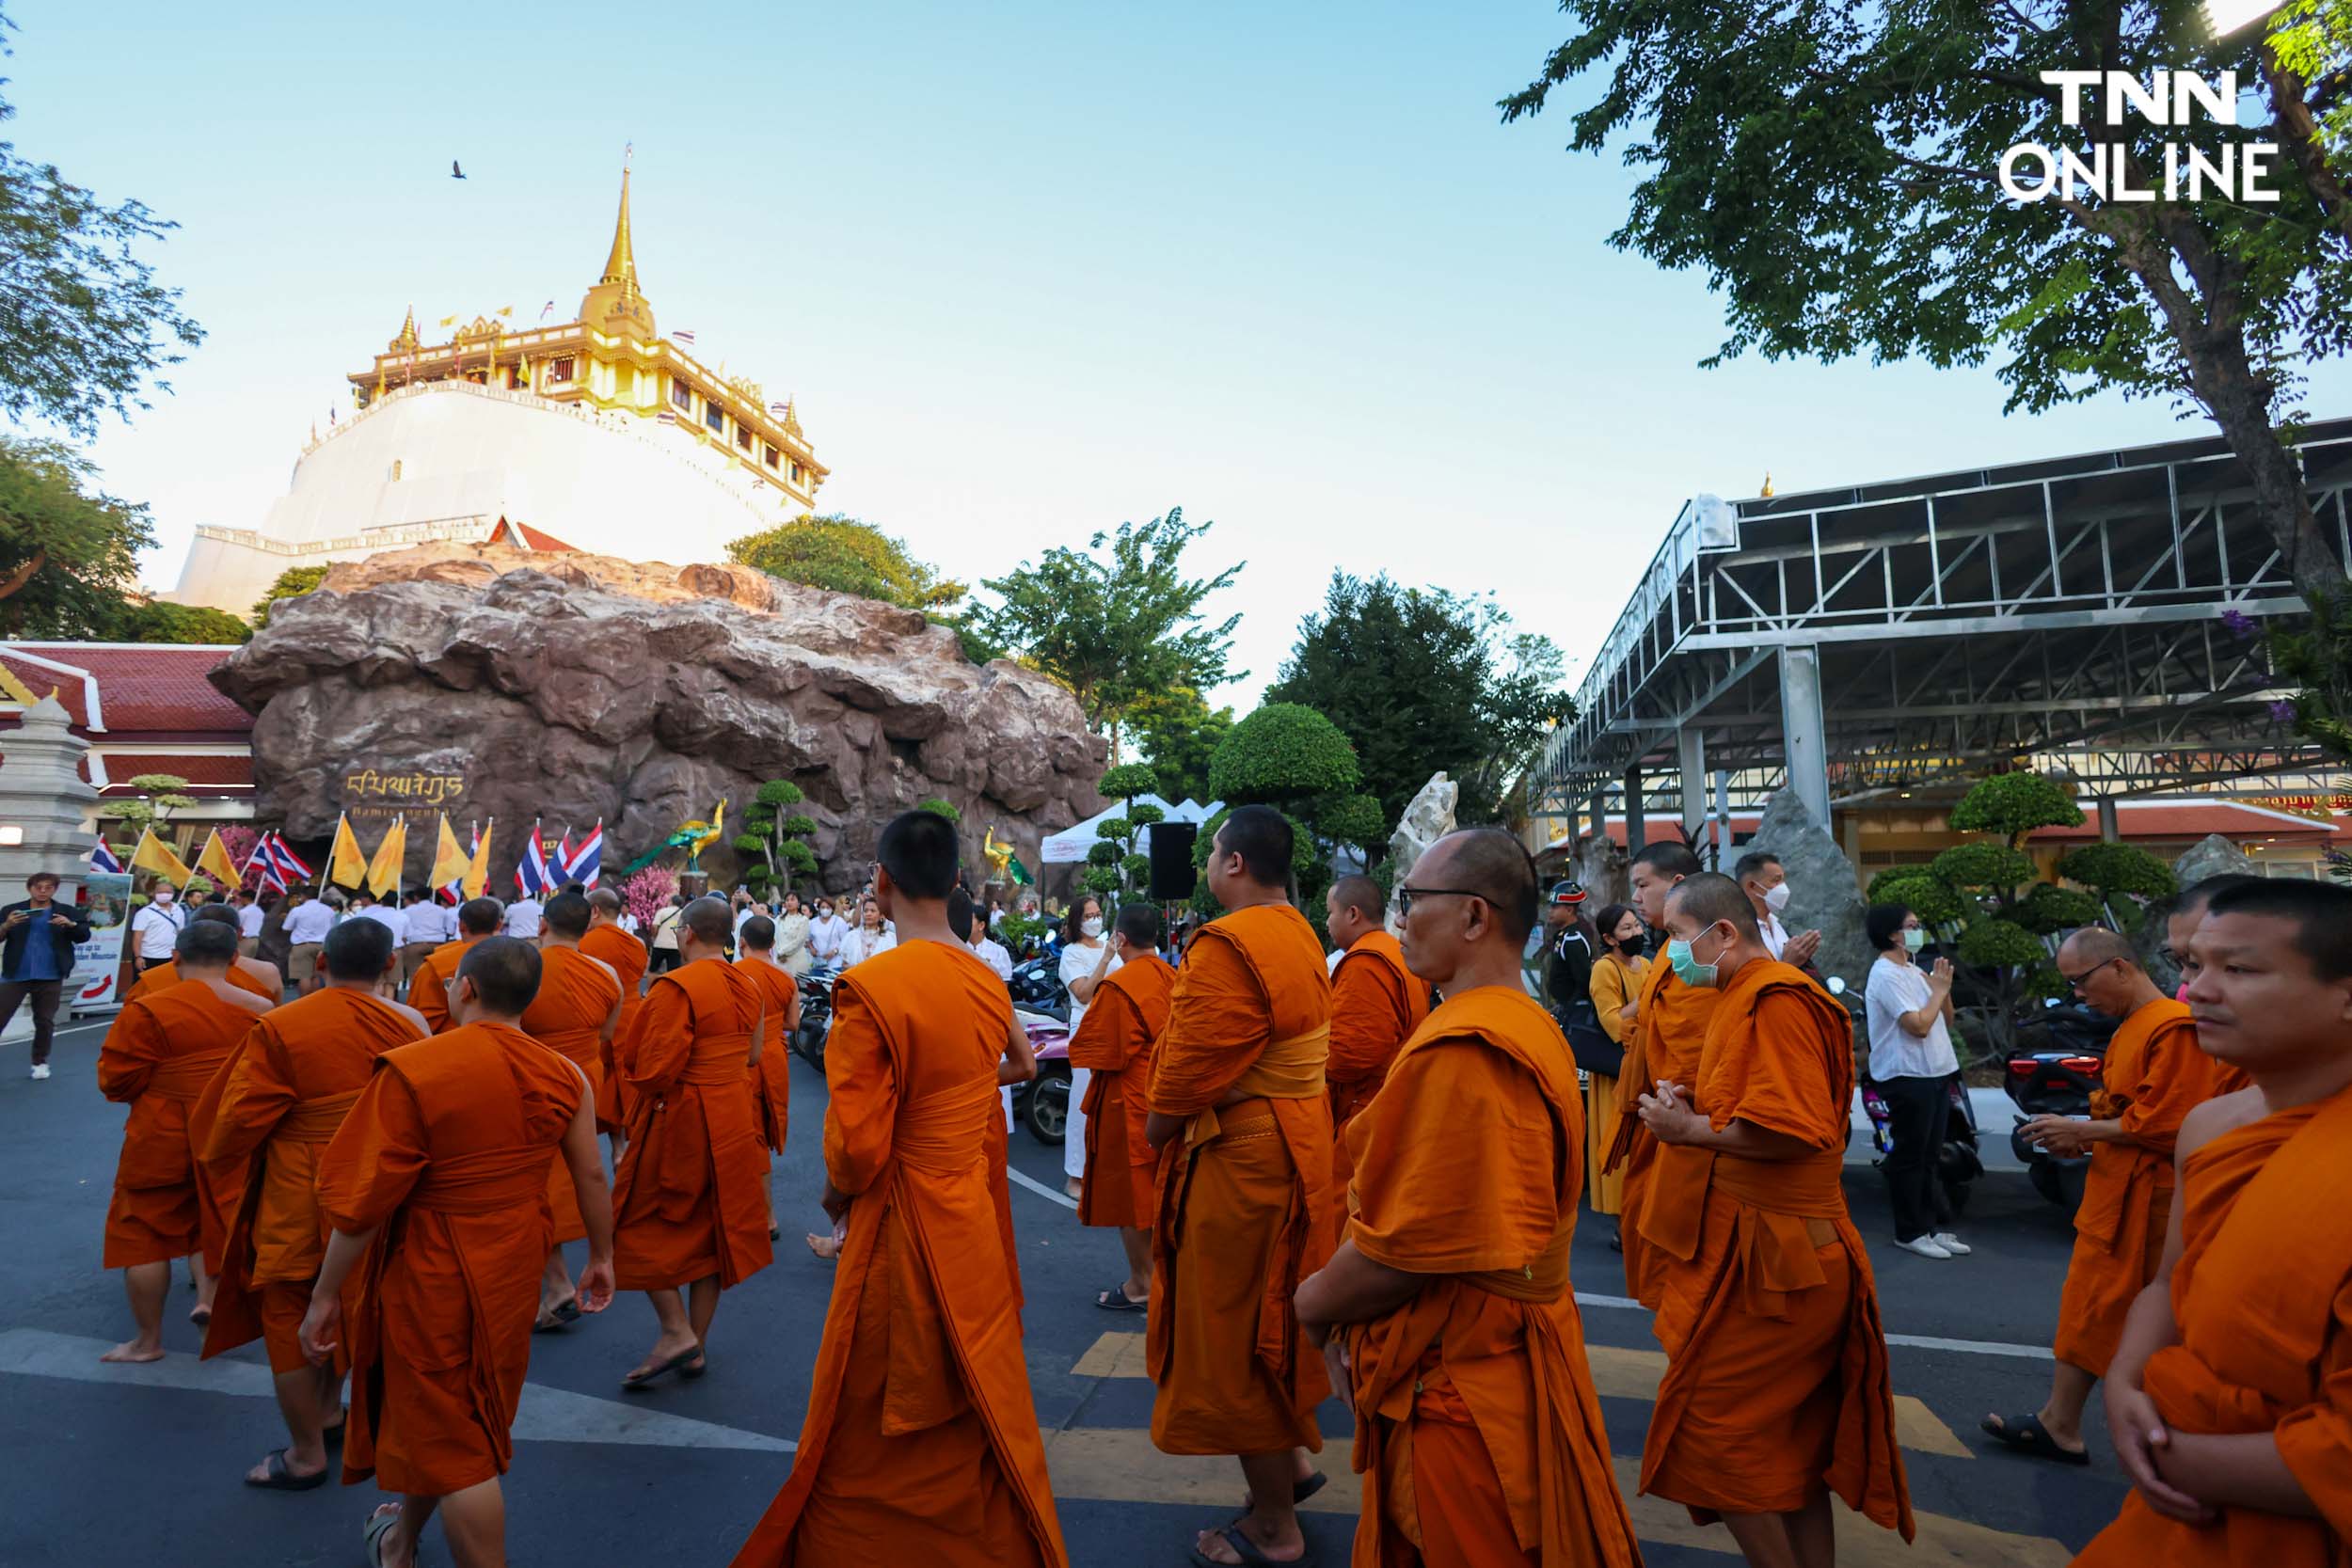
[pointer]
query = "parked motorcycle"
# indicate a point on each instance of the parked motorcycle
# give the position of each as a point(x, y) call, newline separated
point(2053, 1072)
point(1037, 987)
point(1042, 1103)
point(808, 1040)
point(1957, 1163)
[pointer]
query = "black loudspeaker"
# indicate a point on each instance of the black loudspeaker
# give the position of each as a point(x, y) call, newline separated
point(1172, 860)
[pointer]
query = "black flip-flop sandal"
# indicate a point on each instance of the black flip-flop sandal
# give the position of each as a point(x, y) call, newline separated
point(280, 1478)
point(560, 1319)
point(1249, 1552)
point(2026, 1435)
point(1117, 1300)
point(201, 1316)
point(373, 1530)
point(651, 1375)
point(1300, 1492)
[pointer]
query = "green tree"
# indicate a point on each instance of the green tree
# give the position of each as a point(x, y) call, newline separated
point(159, 795)
point(938, 807)
point(773, 841)
point(1176, 735)
point(86, 325)
point(68, 554)
point(1291, 757)
point(1114, 854)
point(1830, 169)
point(292, 583)
point(848, 556)
point(1115, 629)
point(2013, 805)
point(1419, 680)
point(158, 621)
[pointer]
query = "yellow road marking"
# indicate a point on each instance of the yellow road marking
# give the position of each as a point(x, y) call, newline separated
point(1118, 1466)
point(1617, 1373)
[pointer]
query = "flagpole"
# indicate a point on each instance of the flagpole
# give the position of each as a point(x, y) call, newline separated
point(328, 859)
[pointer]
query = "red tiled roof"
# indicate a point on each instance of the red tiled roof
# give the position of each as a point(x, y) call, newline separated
point(206, 775)
point(2177, 818)
point(539, 541)
point(1666, 828)
point(155, 688)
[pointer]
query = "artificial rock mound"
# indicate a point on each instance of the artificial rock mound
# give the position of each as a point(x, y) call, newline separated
point(574, 687)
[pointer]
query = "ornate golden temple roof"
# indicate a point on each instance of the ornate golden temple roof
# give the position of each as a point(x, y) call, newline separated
point(616, 304)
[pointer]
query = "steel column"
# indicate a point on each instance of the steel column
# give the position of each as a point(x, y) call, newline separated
point(1806, 736)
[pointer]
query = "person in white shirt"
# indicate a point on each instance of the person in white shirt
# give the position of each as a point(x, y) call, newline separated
point(1087, 960)
point(992, 952)
point(826, 932)
point(306, 925)
point(873, 935)
point(662, 950)
point(792, 937)
point(425, 925)
point(385, 912)
point(248, 924)
point(1766, 884)
point(157, 926)
point(522, 918)
point(1912, 1062)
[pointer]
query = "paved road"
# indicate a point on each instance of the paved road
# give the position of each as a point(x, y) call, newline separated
point(108, 1466)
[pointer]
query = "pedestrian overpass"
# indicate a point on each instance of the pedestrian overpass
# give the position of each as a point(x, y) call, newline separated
point(2093, 614)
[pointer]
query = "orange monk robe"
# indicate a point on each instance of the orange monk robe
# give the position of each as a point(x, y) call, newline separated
point(1114, 1044)
point(1478, 1430)
point(1669, 1030)
point(447, 1150)
point(577, 998)
point(628, 957)
point(2262, 1295)
point(1777, 1384)
point(165, 975)
point(282, 1093)
point(687, 1201)
point(921, 1444)
point(2154, 1076)
point(1376, 1004)
point(428, 988)
point(772, 1076)
point(1244, 1203)
point(159, 1054)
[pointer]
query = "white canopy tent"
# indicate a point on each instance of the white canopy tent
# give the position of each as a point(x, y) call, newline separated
point(1071, 843)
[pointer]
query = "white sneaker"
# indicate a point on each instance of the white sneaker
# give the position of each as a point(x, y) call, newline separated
point(1952, 1244)
point(1926, 1247)
point(40, 1071)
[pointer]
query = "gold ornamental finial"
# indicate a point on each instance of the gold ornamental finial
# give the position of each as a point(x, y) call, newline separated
point(791, 417)
point(408, 339)
point(1767, 491)
point(621, 266)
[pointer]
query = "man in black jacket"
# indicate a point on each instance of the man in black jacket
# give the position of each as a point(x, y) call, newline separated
point(36, 938)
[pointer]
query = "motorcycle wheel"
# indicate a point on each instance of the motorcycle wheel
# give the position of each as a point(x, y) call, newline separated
point(2044, 1176)
point(1047, 1108)
point(808, 1040)
point(1956, 1197)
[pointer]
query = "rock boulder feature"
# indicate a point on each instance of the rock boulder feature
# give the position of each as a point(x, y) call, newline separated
point(1823, 895)
point(2211, 856)
point(571, 688)
point(1428, 817)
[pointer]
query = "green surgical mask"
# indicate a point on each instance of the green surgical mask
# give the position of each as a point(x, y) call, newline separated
point(1915, 938)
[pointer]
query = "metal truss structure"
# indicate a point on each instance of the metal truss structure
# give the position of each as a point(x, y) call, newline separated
point(2069, 614)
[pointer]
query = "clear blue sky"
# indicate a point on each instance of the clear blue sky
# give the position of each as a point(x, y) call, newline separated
point(1030, 269)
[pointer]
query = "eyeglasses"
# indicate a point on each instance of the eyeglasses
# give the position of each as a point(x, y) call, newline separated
point(2078, 981)
point(1405, 896)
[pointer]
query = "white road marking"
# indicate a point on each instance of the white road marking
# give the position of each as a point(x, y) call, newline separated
point(1908, 1341)
point(1041, 1189)
point(547, 1414)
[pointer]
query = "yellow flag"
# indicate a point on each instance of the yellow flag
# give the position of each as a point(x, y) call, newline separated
point(154, 854)
point(449, 321)
point(478, 870)
point(449, 859)
point(384, 871)
point(345, 866)
point(215, 862)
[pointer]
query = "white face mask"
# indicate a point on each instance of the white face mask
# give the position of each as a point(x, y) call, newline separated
point(1090, 929)
point(1777, 899)
point(165, 895)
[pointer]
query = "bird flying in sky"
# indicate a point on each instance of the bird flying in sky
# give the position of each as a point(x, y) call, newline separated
point(454, 172)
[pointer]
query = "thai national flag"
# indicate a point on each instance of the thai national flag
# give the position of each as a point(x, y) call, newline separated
point(260, 862)
point(560, 868)
point(778, 410)
point(586, 864)
point(102, 860)
point(291, 867)
point(547, 310)
point(683, 337)
point(531, 872)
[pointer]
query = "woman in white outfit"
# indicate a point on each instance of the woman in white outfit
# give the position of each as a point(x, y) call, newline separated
point(869, 937)
point(792, 937)
point(1085, 958)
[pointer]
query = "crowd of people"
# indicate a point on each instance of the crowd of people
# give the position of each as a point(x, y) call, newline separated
point(1354, 1172)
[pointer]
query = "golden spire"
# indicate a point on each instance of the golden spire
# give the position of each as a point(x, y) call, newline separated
point(408, 339)
point(613, 304)
point(1767, 492)
point(791, 417)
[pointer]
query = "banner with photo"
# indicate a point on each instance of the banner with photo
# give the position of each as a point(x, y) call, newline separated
point(96, 983)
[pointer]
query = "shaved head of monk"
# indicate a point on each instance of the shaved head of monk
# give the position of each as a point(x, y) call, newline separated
point(207, 946)
point(1653, 872)
point(358, 951)
point(1249, 859)
point(1699, 909)
point(1353, 908)
point(2104, 972)
point(918, 858)
point(1468, 904)
point(496, 981)
point(2272, 992)
point(1138, 926)
point(759, 935)
point(604, 906)
point(704, 927)
point(480, 917)
point(566, 915)
point(2183, 916)
point(222, 913)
